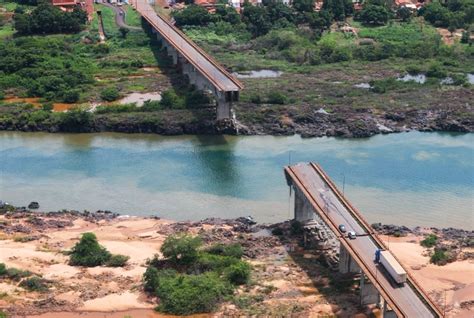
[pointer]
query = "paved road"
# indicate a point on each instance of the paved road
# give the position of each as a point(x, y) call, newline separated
point(404, 296)
point(216, 74)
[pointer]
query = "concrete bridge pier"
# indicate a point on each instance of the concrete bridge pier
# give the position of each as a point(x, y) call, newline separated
point(346, 262)
point(303, 209)
point(387, 312)
point(368, 293)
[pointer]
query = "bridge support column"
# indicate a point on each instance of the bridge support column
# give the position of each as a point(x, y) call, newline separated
point(368, 293)
point(388, 313)
point(346, 262)
point(303, 209)
point(223, 106)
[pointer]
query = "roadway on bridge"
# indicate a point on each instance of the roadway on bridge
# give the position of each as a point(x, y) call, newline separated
point(406, 299)
point(209, 68)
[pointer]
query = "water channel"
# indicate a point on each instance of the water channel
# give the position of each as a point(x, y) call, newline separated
point(411, 178)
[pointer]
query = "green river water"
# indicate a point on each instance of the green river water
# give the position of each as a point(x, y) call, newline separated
point(412, 178)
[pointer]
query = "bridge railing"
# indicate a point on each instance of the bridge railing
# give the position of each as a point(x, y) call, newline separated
point(329, 222)
point(180, 41)
point(413, 282)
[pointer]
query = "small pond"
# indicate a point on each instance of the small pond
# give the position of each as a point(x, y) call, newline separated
point(257, 74)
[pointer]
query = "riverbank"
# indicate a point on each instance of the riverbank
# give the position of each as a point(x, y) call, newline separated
point(250, 120)
point(287, 278)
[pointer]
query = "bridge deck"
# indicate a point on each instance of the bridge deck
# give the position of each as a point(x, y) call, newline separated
point(406, 300)
point(207, 66)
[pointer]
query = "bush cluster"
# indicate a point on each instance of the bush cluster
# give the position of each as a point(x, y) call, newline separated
point(88, 252)
point(194, 280)
point(429, 241)
point(34, 283)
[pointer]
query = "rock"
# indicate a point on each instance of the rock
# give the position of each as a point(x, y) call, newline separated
point(33, 205)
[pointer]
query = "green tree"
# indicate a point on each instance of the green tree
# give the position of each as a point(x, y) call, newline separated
point(256, 18)
point(303, 5)
point(404, 14)
point(88, 252)
point(374, 15)
point(123, 32)
point(181, 248)
point(339, 9)
point(193, 15)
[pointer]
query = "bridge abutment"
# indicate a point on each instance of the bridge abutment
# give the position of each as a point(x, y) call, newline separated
point(346, 262)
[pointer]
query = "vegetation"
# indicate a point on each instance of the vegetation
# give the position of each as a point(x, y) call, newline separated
point(109, 94)
point(34, 283)
point(451, 13)
point(194, 280)
point(13, 273)
point(181, 249)
point(49, 19)
point(87, 252)
point(429, 241)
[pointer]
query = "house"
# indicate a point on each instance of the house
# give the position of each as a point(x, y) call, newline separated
point(69, 5)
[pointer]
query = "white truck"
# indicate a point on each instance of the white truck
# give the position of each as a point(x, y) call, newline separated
point(391, 265)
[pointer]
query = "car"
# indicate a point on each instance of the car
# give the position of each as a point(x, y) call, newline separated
point(351, 235)
point(342, 228)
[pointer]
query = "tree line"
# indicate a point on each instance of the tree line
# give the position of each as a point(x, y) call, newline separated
point(48, 19)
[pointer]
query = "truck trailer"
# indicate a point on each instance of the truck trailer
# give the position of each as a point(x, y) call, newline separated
point(389, 262)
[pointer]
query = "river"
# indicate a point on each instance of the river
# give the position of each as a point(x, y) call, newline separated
point(410, 178)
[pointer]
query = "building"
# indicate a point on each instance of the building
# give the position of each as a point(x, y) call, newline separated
point(69, 5)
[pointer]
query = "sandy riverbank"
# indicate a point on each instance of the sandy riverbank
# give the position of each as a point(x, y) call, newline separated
point(290, 280)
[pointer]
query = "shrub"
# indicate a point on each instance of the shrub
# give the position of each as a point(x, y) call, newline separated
point(439, 257)
point(233, 250)
point(150, 279)
point(17, 274)
point(256, 99)
point(210, 262)
point(436, 70)
point(429, 241)
point(71, 96)
point(277, 98)
point(34, 283)
point(181, 248)
point(189, 294)
point(153, 276)
point(3, 314)
point(117, 260)
point(169, 99)
point(238, 273)
point(277, 231)
point(76, 120)
point(3, 269)
point(88, 252)
point(296, 228)
point(47, 107)
point(109, 94)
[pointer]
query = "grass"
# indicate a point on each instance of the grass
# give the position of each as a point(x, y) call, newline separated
point(108, 17)
point(6, 31)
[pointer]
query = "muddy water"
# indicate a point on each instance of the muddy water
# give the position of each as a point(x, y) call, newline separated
point(411, 178)
point(35, 101)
